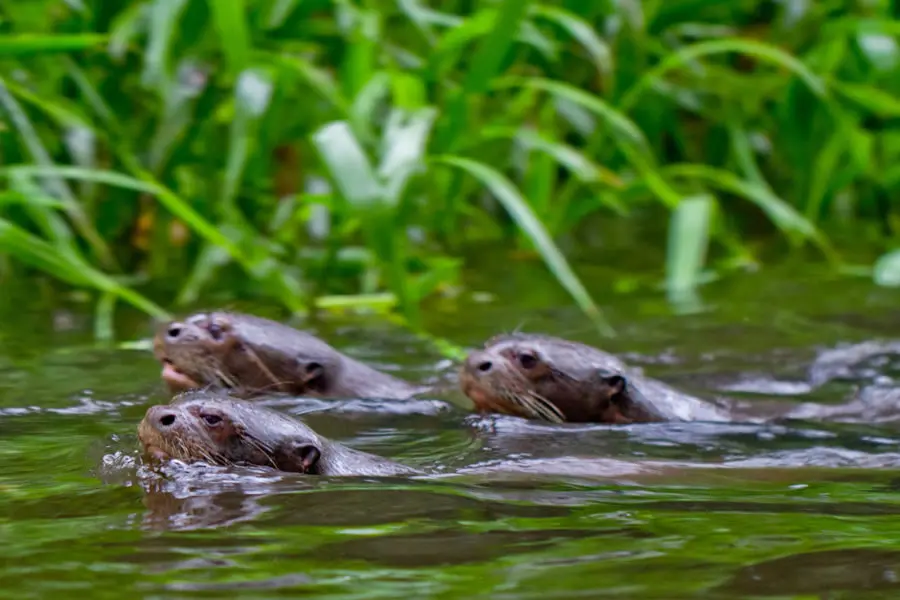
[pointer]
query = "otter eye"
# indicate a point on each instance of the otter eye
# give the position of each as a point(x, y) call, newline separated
point(527, 360)
point(212, 419)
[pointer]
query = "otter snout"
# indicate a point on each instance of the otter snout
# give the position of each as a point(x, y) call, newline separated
point(158, 423)
point(176, 332)
point(161, 418)
point(480, 363)
point(481, 376)
point(173, 330)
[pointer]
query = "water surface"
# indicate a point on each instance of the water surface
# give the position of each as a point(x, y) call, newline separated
point(512, 509)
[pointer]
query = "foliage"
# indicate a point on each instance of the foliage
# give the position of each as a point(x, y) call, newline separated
point(353, 148)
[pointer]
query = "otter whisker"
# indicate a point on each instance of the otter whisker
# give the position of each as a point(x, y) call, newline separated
point(262, 366)
point(264, 449)
point(518, 328)
point(275, 384)
point(538, 406)
point(227, 381)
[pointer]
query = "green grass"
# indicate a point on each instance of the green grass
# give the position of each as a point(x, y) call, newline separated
point(340, 153)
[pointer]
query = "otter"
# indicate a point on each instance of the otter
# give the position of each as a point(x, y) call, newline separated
point(252, 355)
point(204, 426)
point(552, 379)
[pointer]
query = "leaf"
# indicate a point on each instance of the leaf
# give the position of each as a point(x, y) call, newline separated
point(688, 241)
point(887, 269)
point(281, 10)
point(37, 204)
point(583, 168)
point(348, 164)
point(162, 20)
point(233, 35)
point(782, 214)
point(424, 18)
point(125, 28)
point(253, 93)
point(26, 44)
point(403, 149)
point(492, 50)
point(613, 117)
point(517, 207)
point(585, 34)
point(176, 205)
point(364, 111)
point(876, 101)
point(208, 263)
point(318, 79)
point(758, 50)
point(103, 317)
point(34, 251)
point(55, 184)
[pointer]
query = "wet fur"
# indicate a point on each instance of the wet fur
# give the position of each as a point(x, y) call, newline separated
point(571, 382)
point(251, 434)
point(252, 356)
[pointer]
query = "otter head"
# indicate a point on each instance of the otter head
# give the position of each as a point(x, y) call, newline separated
point(204, 428)
point(248, 355)
point(551, 379)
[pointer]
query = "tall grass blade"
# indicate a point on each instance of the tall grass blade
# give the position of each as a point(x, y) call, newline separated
point(688, 241)
point(125, 27)
point(517, 207)
point(494, 48)
point(28, 44)
point(758, 50)
point(163, 19)
point(783, 215)
point(36, 252)
point(253, 94)
point(403, 149)
point(231, 25)
point(582, 167)
point(38, 205)
point(887, 270)
point(41, 156)
point(585, 34)
point(317, 79)
point(626, 129)
point(176, 205)
point(280, 11)
point(348, 165)
point(103, 317)
point(372, 202)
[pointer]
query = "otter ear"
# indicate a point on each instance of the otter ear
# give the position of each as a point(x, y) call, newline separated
point(617, 397)
point(312, 371)
point(299, 457)
point(617, 384)
point(627, 400)
point(309, 456)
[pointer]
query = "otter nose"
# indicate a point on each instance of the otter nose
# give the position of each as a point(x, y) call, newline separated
point(162, 417)
point(174, 330)
point(479, 362)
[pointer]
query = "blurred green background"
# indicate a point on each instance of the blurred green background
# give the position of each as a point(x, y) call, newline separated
point(321, 153)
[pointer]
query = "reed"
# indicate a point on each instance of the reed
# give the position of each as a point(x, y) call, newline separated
point(328, 150)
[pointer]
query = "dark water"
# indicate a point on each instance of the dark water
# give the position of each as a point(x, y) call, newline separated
point(510, 509)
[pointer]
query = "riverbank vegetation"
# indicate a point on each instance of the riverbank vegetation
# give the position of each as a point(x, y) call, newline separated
point(345, 152)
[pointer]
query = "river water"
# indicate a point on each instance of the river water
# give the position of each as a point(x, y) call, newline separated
point(510, 509)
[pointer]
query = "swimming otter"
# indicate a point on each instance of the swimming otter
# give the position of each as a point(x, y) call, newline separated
point(202, 426)
point(251, 355)
point(553, 379)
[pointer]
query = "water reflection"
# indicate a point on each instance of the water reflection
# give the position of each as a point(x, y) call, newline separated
point(507, 508)
point(824, 573)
